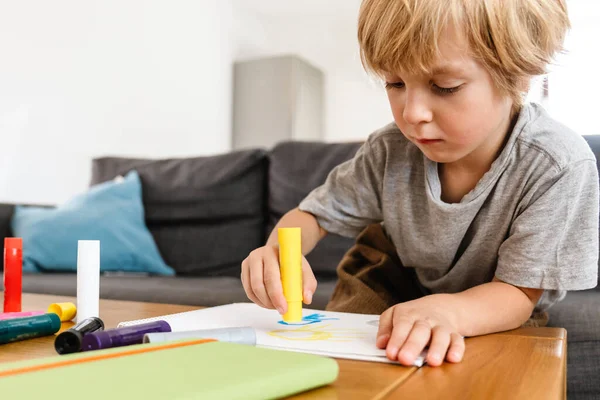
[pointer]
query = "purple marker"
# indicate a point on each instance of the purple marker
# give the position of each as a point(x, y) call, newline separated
point(122, 336)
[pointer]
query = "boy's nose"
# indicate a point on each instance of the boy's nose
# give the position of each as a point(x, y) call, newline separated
point(416, 109)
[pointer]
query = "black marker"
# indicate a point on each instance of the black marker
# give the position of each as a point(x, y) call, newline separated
point(70, 340)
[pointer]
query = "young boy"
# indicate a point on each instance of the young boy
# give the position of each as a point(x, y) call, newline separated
point(492, 203)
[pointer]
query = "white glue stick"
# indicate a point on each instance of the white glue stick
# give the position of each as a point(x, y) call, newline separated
point(88, 279)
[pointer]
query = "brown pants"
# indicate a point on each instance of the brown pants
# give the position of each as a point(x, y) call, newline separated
point(371, 278)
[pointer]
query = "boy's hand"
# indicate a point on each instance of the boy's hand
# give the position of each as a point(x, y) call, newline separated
point(262, 280)
point(407, 328)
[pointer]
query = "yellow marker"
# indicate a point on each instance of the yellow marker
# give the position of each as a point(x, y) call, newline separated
point(290, 264)
point(65, 311)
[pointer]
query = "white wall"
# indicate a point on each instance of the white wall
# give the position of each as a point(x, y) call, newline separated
point(573, 84)
point(78, 79)
point(355, 108)
point(324, 34)
point(151, 78)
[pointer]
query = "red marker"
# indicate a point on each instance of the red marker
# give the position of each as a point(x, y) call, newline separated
point(13, 270)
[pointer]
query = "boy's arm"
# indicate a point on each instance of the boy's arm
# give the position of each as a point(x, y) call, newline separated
point(312, 232)
point(494, 307)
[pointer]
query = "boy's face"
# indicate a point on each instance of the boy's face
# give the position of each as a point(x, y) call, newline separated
point(456, 115)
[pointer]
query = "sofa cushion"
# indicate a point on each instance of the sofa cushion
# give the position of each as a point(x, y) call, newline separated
point(110, 212)
point(594, 143)
point(195, 291)
point(6, 213)
point(205, 213)
point(579, 314)
point(582, 370)
point(230, 185)
point(209, 249)
point(296, 168)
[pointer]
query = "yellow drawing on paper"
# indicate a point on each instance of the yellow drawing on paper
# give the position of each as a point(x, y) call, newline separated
point(318, 333)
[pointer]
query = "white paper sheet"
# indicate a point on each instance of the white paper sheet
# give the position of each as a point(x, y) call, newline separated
point(341, 335)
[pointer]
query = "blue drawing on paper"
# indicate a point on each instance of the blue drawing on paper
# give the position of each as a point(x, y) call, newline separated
point(310, 319)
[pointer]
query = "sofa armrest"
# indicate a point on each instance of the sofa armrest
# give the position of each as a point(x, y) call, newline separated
point(6, 213)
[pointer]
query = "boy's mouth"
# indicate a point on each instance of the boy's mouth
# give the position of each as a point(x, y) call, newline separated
point(428, 141)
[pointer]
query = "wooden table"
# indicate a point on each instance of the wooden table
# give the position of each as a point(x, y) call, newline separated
point(527, 363)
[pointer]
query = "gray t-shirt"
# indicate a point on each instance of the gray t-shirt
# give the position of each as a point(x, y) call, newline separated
point(531, 220)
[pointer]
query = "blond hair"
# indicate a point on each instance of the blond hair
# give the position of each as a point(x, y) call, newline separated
point(514, 39)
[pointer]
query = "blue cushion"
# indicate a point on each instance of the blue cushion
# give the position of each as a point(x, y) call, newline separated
point(111, 212)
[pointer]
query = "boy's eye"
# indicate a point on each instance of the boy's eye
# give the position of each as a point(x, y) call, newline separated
point(394, 85)
point(436, 88)
point(444, 90)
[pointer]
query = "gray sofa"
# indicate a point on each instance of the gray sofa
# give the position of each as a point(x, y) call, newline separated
point(207, 213)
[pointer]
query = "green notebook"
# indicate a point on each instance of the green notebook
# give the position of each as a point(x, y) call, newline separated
point(214, 370)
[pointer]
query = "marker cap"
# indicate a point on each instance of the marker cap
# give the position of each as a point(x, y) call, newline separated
point(70, 341)
point(65, 311)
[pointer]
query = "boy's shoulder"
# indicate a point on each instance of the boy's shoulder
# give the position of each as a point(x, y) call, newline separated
point(552, 139)
point(388, 138)
point(389, 132)
point(389, 143)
